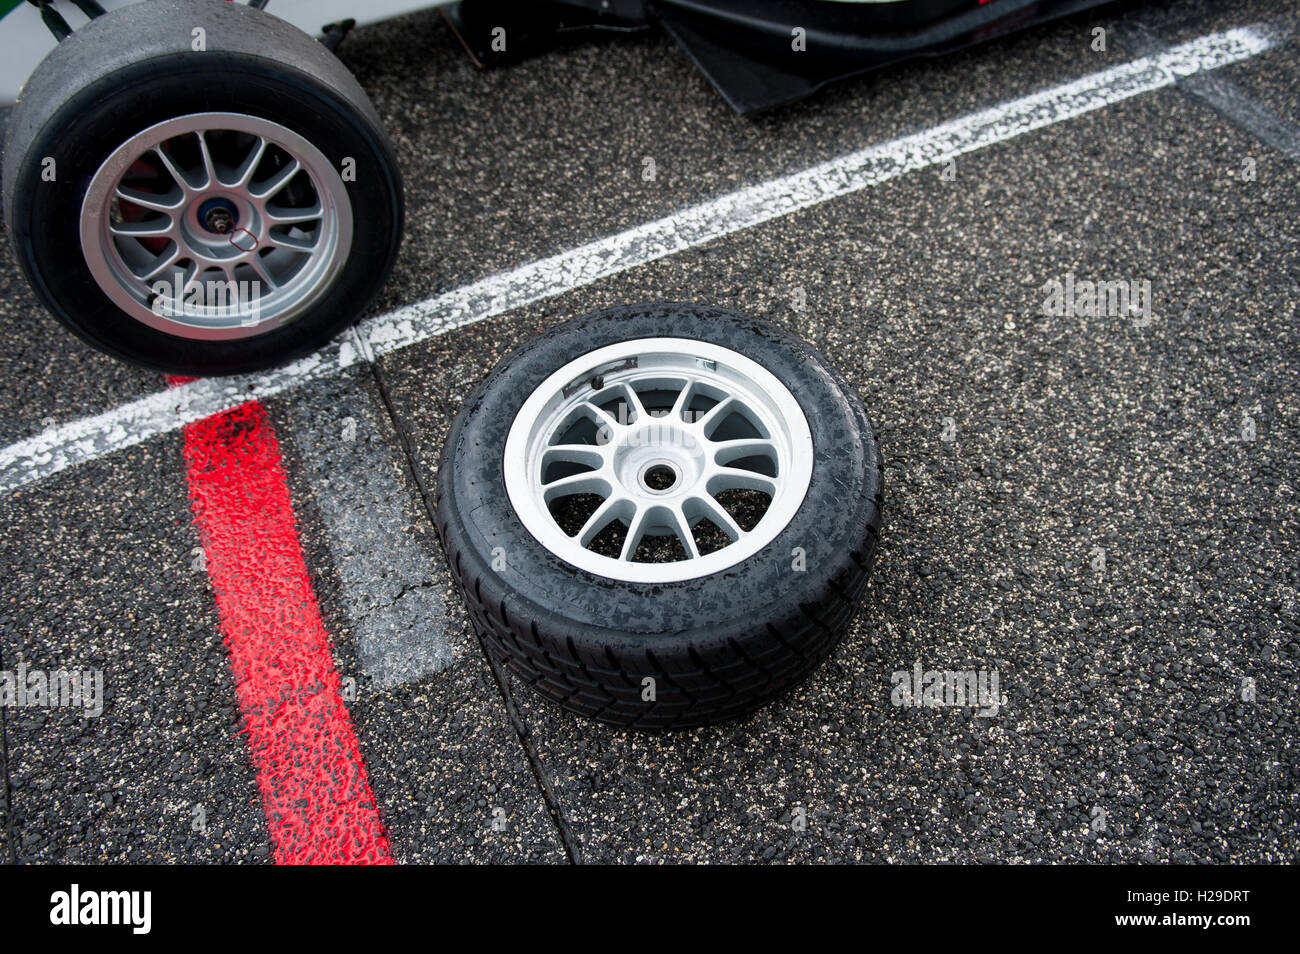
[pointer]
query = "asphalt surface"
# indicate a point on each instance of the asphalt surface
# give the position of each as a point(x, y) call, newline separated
point(1102, 528)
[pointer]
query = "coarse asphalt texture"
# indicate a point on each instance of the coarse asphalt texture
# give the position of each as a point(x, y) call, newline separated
point(1101, 510)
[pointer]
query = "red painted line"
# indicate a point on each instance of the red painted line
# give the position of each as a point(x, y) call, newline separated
point(318, 802)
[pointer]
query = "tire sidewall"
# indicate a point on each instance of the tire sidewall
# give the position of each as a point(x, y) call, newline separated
point(831, 523)
point(84, 132)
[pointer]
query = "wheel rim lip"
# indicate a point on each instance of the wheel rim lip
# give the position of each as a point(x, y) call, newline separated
point(306, 287)
point(544, 409)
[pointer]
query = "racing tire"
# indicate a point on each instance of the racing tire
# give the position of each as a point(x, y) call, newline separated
point(683, 422)
point(200, 188)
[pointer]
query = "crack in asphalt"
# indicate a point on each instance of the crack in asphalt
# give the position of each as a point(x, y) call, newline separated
point(564, 830)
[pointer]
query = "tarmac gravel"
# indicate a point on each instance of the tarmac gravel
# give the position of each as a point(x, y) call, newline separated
point(1112, 526)
point(162, 775)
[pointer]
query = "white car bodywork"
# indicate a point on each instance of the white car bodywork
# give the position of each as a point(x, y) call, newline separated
point(25, 39)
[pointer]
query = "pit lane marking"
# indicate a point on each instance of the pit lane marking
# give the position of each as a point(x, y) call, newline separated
point(315, 792)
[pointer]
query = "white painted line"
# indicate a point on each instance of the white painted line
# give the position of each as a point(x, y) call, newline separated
point(386, 578)
point(68, 445)
point(88, 438)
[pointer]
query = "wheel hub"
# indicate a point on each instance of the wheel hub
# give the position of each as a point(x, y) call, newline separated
point(218, 215)
point(659, 477)
point(221, 231)
point(659, 458)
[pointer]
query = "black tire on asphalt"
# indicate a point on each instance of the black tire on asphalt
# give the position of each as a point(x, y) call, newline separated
point(134, 67)
point(716, 646)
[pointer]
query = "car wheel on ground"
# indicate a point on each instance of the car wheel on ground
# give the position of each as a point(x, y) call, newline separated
point(661, 516)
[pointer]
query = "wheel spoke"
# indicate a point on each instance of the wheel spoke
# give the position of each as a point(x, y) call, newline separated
point(263, 273)
point(601, 518)
point(142, 229)
point(683, 400)
point(277, 182)
point(244, 175)
point(734, 478)
point(633, 400)
point(165, 262)
point(191, 281)
point(585, 483)
point(599, 416)
point(727, 451)
point(148, 200)
point(682, 527)
point(291, 242)
point(635, 531)
point(279, 215)
point(590, 455)
point(209, 170)
point(718, 516)
point(174, 170)
point(717, 414)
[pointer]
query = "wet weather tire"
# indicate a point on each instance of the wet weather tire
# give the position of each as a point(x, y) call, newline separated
point(661, 516)
point(191, 145)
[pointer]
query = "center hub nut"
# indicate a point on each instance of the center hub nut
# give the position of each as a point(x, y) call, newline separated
point(219, 220)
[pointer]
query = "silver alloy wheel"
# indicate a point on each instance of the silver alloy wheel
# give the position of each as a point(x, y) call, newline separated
point(216, 225)
point(651, 432)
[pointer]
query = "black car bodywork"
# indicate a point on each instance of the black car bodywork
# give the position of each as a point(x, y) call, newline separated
point(764, 53)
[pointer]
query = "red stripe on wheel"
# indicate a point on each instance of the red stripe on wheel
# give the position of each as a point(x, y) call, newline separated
point(318, 802)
